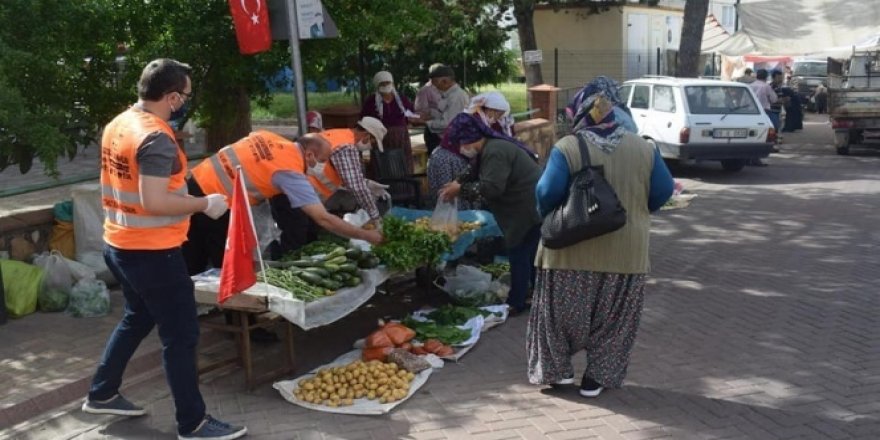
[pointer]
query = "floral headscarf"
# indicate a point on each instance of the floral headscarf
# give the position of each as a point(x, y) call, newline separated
point(467, 129)
point(598, 114)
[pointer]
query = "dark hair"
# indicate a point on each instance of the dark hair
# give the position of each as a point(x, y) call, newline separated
point(748, 71)
point(162, 76)
point(776, 72)
point(762, 74)
point(442, 72)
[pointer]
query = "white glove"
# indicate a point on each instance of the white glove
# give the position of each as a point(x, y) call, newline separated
point(216, 206)
point(378, 190)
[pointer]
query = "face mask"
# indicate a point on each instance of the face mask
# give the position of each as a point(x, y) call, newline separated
point(179, 114)
point(364, 145)
point(386, 89)
point(318, 168)
point(469, 153)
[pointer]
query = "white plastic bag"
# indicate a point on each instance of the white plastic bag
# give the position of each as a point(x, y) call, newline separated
point(445, 216)
point(358, 219)
point(55, 293)
point(267, 230)
point(89, 299)
point(470, 286)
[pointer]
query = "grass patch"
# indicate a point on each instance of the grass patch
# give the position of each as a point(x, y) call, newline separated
point(283, 106)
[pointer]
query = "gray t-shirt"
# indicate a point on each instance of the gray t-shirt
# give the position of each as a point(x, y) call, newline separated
point(157, 156)
point(297, 188)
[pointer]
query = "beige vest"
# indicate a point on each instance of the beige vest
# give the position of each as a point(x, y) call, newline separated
point(628, 170)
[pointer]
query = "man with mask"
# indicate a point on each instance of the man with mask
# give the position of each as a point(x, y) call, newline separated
point(453, 100)
point(147, 214)
point(340, 182)
point(273, 167)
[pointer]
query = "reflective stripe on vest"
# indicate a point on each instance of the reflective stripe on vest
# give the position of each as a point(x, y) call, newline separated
point(123, 218)
point(230, 154)
point(325, 181)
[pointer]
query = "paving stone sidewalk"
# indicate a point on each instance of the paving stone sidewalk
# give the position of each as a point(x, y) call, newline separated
point(762, 321)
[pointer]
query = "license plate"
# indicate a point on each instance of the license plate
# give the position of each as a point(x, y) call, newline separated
point(730, 133)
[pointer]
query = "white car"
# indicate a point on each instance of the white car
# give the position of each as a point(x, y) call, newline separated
point(700, 119)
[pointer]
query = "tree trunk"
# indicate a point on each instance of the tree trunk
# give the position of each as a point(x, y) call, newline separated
point(691, 38)
point(233, 119)
point(524, 11)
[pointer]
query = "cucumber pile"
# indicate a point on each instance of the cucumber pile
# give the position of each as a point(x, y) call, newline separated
point(324, 273)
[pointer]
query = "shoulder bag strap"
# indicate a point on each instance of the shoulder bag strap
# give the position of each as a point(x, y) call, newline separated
point(584, 150)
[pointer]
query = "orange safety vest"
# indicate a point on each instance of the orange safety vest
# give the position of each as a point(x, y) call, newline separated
point(259, 155)
point(127, 225)
point(330, 181)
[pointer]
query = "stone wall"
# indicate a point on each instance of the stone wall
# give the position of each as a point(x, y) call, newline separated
point(23, 233)
point(539, 134)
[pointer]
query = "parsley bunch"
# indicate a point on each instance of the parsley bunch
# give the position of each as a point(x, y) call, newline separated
point(406, 247)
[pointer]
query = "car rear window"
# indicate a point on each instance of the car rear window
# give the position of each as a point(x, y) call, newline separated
point(719, 100)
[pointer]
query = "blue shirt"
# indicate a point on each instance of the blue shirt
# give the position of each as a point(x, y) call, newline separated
point(297, 188)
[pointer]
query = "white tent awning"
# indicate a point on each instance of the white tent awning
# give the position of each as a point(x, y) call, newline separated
point(798, 27)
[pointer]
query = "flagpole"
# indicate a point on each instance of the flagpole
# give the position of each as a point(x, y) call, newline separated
point(254, 229)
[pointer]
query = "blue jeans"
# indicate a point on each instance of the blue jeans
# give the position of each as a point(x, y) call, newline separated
point(158, 292)
point(775, 119)
point(522, 268)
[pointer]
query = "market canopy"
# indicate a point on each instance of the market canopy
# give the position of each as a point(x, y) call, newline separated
point(798, 27)
point(713, 34)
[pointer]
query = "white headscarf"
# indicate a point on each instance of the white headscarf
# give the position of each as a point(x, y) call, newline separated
point(379, 78)
point(495, 101)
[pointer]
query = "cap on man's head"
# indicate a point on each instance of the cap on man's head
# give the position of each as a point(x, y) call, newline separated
point(375, 128)
point(442, 71)
point(381, 77)
point(314, 120)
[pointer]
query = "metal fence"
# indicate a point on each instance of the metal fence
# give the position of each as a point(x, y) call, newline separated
point(571, 69)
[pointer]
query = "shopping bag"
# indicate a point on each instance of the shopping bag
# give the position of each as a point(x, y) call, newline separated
point(445, 217)
point(22, 283)
point(62, 239)
point(89, 298)
point(58, 282)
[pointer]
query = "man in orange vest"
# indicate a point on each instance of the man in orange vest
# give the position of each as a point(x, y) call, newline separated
point(147, 210)
point(273, 166)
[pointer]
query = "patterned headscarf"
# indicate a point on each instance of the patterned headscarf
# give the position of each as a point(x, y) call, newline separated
point(592, 113)
point(495, 101)
point(466, 128)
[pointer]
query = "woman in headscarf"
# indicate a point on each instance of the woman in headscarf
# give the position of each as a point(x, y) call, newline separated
point(493, 109)
point(394, 111)
point(589, 295)
point(447, 163)
point(507, 172)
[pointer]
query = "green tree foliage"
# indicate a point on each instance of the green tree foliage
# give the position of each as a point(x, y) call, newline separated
point(60, 83)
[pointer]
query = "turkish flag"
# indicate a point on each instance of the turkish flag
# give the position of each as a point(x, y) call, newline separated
point(251, 20)
point(237, 273)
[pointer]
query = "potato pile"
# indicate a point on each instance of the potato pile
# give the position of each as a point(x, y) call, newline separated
point(339, 386)
point(425, 223)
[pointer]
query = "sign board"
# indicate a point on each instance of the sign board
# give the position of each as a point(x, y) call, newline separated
point(312, 19)
point(533, 56)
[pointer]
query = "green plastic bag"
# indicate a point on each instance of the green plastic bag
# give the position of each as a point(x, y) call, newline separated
point(22, 283)
point(89, 298)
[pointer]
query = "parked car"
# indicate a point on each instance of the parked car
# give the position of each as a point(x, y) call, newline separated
point(699, 119)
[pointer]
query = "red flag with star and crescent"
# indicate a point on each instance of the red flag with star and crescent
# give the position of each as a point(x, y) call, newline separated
point(251, 20)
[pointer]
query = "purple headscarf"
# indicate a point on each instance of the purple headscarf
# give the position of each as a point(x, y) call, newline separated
point(466, 128)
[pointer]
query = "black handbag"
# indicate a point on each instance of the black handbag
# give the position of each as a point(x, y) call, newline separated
point(591, 209)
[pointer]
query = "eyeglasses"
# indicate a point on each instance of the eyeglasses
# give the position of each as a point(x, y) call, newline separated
point(187, 95)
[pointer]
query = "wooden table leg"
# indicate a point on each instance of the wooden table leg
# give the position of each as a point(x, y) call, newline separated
point(246, 357)
point(288, 342)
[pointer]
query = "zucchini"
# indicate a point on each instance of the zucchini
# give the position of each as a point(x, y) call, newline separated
point(335, 253)
point(348, 268)
point(330, 284)
point(353, 254)
point(311, 278)
point(353, 281)
point(338, 276)
point(319, 271)
point(331, 267)
point(303, 263)
point(336, 260)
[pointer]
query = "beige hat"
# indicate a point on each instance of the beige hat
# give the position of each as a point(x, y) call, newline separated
point(381, 77)
point(375, 128)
